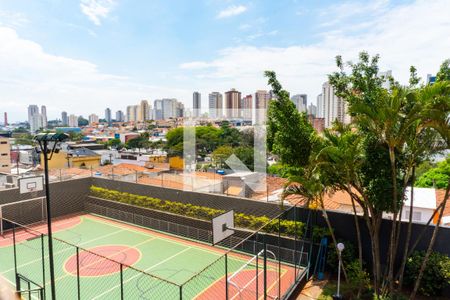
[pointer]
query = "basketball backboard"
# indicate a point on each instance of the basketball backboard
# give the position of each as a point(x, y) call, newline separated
point(31, 184)
point(223, 226)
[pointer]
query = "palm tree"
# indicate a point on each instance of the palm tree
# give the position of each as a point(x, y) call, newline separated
point(311, 186)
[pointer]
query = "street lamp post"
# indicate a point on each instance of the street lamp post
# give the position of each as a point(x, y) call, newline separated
point(48, 143)
point(337, 296)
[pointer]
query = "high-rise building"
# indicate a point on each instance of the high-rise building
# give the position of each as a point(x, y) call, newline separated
point(132, 113)
point(143, 111)
point(179, 110)
point(34, 118)
point(215, 105)
point(196, 104)
point(232, 103)
point(262, 99)
point(312, 110)
point(73, 121)
point(169, 108)
point(44, 116)
point(93, 119)
point(64, 119)
point(6, 119)
point(108, 116)
point(335, 108)
point(32, 110)
point(320, 107)
point(5, 155)
point(247, 107)
point(300, 102)
point(158, 109)
point(119, 116)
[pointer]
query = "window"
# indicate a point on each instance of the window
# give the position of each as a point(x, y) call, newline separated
point(4, 166)
point(3, 142)
point(4, 154)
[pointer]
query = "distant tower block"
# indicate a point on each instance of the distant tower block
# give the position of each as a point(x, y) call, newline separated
point(6, 119)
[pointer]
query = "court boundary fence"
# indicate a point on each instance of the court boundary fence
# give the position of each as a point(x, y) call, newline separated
point(274, 277)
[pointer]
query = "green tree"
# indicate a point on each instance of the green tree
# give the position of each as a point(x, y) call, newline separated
point(82, 121)
point(115, 143)
point(221, 154)
point(437, 176)
point(400, 126)
point(444, 72)
point(289, 134)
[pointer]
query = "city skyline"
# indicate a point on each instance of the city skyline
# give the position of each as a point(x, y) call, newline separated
point(64, 63)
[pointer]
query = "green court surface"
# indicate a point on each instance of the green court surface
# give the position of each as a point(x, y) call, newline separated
point(168, 263)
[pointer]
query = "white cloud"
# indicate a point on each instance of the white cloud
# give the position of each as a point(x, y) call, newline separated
point(96, 10)
point(29, 75)
point(410, 34)
point(231, 11)
point(12, 19)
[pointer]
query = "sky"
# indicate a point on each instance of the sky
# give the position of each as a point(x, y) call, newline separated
point(82, 56)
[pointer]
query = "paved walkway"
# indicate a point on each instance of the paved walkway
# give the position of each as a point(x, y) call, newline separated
point(312, 290)
point(6, 291)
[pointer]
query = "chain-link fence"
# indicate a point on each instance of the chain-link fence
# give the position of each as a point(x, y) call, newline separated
point(79, 273)
point(254, 264)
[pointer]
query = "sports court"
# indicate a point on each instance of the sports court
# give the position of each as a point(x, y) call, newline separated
point(101, 258)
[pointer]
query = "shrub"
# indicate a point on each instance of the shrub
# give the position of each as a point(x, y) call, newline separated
point(286, 227)
point(348, 255)
point(436, 275)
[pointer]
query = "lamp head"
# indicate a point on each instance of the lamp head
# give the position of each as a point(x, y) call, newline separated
point(340, 247)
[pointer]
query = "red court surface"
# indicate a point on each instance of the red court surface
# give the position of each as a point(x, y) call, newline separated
point(23, 235)
point(103, 262)
point(247, 285)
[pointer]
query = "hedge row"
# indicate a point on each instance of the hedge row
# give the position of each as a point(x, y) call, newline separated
point(286, 227)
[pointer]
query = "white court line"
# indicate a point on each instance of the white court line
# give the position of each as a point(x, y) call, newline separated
point(108, 257)
point(160, 232)
point(148, 269)
point(239, 292)
point(62, 251)
point(37, 233)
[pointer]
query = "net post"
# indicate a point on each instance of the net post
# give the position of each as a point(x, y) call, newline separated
point(181, 292)
point(78, 272)
point(226, 276)
point(43, 263)
point(121, 281)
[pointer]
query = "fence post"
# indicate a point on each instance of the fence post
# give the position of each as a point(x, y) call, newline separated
point(279, 257)
point(78, 273)
point(121, 281)
point(295, 243)
point(43, 262)
point(257, 268)
point(226, 276)
point(15, 257)
point(181, 292)
point(265, 266)
point(60, 175)
point(136, 176)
